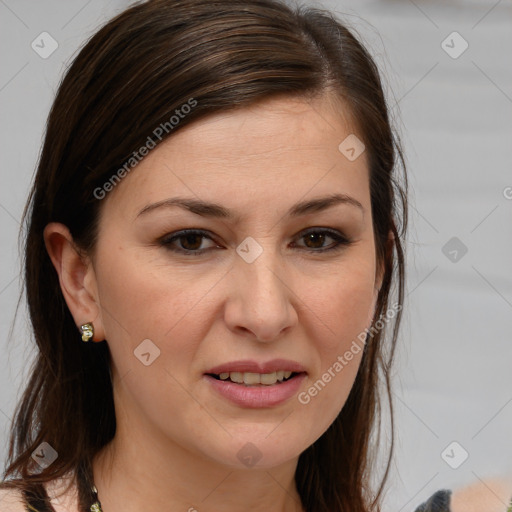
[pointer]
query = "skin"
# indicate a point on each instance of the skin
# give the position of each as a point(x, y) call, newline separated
point(177, 440)
point(493, 495)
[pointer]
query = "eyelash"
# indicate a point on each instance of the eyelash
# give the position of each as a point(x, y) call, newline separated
point(340, 240)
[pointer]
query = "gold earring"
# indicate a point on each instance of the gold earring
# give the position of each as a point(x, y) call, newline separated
point(87, 331)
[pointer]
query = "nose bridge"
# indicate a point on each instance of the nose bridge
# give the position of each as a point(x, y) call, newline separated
point(262, 279)
point(262, 298)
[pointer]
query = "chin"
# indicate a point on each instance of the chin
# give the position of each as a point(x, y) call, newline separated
point(260, 452)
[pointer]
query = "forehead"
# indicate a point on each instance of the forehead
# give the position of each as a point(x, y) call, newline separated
point(266, 152)
point(267, 127)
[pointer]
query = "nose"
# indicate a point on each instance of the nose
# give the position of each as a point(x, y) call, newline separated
point(261, 299)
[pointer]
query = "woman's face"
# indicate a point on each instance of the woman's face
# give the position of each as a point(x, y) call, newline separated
point(254, 292)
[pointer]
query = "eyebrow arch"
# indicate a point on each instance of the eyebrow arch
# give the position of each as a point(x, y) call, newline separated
point(206, 209)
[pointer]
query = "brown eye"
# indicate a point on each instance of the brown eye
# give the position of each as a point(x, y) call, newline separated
point(191, 242)
point(187, 242)
point(316, 238)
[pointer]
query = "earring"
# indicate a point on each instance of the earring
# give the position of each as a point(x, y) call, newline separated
point(87, 331)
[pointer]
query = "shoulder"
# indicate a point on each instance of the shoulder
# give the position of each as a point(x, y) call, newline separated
point(11, 500)
point(484, 496)
point(61, 493)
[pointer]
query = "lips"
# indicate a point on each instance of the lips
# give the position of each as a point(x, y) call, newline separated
point(258, 395)
point(253, 384)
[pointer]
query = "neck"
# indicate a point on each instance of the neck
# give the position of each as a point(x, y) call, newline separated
point(141, 475)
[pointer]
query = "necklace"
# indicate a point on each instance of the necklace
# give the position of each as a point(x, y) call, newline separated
point(96, 506)
point(85, 482)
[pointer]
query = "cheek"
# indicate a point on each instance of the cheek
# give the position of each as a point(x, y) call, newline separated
point(350, 311)
point(344, 304)
point(140, 300)
point(146, 300)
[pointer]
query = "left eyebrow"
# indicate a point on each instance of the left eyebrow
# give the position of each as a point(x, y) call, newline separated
point(206, 209)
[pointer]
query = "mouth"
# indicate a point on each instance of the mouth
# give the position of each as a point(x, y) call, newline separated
point(251, 379)
point(256, 386)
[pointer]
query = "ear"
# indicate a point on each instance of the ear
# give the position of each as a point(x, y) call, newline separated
point(76, 277)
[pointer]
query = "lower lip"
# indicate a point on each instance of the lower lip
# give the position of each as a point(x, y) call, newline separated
point(257, 396)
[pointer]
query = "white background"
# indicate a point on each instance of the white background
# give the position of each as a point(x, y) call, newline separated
point(453, 374)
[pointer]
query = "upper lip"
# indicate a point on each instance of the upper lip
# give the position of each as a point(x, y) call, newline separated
point(247, 365)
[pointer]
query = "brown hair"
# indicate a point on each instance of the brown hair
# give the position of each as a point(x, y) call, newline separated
point(129, 78)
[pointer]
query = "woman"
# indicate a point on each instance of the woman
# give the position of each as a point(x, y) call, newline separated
point(239, 372)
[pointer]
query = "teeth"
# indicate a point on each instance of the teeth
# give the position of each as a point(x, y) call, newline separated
point(253, 379)
point(268, 378)
point(236, 377)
